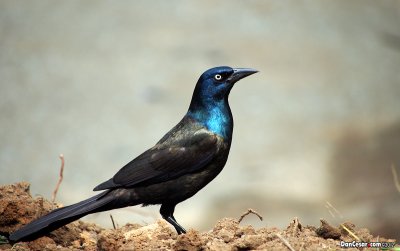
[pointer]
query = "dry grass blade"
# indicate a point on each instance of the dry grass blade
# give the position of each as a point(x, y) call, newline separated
point(287, 244)
point(395, 178)
point(329, 206)
point(350, 232)
point(53, 198)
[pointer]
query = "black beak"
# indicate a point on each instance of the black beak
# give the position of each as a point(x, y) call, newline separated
point(239, 73)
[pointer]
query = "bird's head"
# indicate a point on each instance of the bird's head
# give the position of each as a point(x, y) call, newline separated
point(216, 83)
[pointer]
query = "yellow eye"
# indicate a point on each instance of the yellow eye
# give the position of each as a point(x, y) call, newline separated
point(218, 77)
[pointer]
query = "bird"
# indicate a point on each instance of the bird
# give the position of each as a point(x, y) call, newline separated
point(181, 163)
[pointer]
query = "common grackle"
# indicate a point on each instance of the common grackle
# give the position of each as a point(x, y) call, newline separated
point(186, 159)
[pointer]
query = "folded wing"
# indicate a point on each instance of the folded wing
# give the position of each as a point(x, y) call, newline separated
point(166, 162)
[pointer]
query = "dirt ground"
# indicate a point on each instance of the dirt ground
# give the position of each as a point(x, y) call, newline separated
point(17, 207)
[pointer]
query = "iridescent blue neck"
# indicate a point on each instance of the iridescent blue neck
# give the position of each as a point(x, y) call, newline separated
point(216, 116)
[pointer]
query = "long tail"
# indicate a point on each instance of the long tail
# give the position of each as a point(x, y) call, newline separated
point(62, 216)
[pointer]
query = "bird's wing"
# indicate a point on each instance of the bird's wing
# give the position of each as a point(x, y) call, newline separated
point(166, 161)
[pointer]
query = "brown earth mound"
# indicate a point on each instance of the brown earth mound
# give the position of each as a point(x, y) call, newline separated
point(17, 207)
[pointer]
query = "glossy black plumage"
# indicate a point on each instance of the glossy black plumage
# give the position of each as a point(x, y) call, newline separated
point(186, 159)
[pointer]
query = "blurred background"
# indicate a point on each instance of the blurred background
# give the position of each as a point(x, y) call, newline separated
point(102, 81)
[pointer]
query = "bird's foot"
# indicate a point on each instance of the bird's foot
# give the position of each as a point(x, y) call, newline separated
point(179, 228)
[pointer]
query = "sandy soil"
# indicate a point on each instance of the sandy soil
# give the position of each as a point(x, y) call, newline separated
point(17, 207)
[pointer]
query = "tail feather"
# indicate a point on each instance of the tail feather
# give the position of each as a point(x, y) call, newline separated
point(61, 217)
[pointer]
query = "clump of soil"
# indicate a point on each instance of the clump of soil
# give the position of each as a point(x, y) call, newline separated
point(17, 208)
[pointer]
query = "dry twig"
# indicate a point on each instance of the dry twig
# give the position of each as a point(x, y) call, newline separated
point(53, 198)
point(249, 211)
point(112, 220)
point(287, 244)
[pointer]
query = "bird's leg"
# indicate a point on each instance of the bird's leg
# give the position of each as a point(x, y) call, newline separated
point(178, 227)
point(167, 212)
